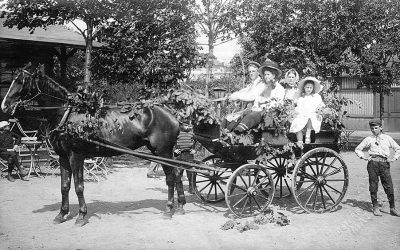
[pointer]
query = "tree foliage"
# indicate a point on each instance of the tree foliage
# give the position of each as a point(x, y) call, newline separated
point(148, 41)
point(323, 38)
point(41, 13)
point(155, 45)
point(216, 20)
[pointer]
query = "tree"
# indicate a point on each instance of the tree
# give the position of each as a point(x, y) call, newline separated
point(155, 46)
point(41, 13)
point(326, 38)
point(216, 19)
point(312, 35)
point(380, 58)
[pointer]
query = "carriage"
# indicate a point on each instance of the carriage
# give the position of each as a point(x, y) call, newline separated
point(316, 176)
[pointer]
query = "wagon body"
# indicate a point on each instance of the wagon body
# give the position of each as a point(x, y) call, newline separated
point(316, 175)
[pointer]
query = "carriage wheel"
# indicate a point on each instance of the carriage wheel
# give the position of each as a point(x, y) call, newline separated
point(281, 172)
point(250, 190)
point(210, 187)
point(320, 180)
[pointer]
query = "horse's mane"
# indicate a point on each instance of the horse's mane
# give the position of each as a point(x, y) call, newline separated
point(46, 85)
point(51, 87)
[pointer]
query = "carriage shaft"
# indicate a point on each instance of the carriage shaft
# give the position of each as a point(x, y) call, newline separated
point(158, 159)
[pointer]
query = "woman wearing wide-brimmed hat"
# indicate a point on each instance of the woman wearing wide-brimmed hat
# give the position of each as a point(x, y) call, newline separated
point(7, 149)
point(306, 111)
point(272, 94)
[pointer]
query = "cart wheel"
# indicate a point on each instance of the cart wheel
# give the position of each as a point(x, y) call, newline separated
point(320, 180)
point(281, 173)
point(250, 190)
point(210, 187)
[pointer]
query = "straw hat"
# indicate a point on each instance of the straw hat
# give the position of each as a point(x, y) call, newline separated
point(317, 84)
point(270, 65)
point(4, 123)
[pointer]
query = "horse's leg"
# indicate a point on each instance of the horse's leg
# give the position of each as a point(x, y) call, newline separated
point(65, 186)
point(170, 180)
point(76, 161)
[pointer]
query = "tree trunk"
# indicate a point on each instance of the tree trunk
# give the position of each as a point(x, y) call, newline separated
point(381, 106)
point(88, 56)
point(210, 60)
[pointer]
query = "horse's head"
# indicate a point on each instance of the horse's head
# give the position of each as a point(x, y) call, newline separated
point(23, 88)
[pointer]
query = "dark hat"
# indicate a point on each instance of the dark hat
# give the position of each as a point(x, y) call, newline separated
point(268, 65)
point(253, 63)
point(375, 122)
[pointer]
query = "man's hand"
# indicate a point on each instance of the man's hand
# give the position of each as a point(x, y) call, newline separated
point(192, 151)
point(15, 148)
point(177, 151)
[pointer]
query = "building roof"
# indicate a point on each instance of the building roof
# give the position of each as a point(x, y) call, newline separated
point(53, 34)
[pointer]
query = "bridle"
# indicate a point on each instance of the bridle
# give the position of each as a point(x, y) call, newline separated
point(34, 81)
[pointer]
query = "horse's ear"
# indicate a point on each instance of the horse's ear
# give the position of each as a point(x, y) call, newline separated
point(27, 66)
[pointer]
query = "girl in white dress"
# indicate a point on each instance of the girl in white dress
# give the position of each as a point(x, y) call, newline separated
point(306, 110)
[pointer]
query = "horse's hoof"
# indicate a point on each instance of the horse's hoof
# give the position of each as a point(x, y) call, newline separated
point(59, 220)
point(81, 222)
point(167, 215)
point(180, 211)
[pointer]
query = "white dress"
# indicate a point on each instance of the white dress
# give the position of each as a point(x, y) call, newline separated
point(307, 109)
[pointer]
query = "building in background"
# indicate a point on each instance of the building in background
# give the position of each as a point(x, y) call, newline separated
point(358, 117)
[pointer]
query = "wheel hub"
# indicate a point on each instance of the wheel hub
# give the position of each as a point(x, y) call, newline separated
point(281, 171)
point(321, 180)
point(251, 191)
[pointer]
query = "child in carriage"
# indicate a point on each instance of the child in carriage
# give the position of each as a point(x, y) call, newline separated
point(306, 111)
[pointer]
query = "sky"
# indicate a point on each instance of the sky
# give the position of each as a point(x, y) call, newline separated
point(223, 52)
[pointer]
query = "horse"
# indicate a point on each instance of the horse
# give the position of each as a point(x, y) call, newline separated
point(155, 128)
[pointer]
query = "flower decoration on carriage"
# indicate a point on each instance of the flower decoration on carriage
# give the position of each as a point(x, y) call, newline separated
point(188, 105)
point(333, 113)
point(278, 116)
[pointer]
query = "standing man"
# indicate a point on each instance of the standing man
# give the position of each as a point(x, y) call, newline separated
point(378, 145)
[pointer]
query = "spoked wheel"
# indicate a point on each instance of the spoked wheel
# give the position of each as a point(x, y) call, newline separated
point(320, 180)
point(210, 186)
point(280, 171)
point(250, 190)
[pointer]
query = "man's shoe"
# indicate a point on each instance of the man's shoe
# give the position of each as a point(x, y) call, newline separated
point(376, 211)
point(10, 178)
point(394, 212)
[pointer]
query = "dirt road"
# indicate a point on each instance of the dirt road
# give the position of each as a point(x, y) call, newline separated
point(125, 212)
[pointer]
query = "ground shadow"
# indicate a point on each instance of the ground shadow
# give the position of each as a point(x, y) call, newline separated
point(104, 207)
point(364, 205)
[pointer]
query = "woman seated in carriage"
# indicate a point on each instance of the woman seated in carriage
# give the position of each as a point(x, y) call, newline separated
point(272, 94)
